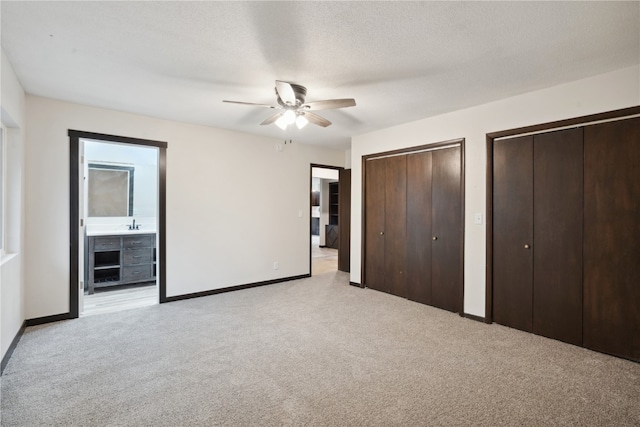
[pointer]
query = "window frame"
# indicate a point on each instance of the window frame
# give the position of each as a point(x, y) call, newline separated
point(3, 189)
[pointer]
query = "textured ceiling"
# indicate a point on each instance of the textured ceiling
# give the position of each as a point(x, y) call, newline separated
point(401, 61)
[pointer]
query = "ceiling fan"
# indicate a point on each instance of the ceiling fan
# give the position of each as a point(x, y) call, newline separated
point(293, 109)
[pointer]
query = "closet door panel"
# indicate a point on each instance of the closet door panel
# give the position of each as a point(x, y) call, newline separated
point(395, 231)
point(513, 232)
point(374, 274)
point(419, 227)
point(612, 238)
point(557, 237)
point(446, 229)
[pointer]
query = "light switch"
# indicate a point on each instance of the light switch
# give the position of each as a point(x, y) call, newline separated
point(299, 213)
point(477, 218)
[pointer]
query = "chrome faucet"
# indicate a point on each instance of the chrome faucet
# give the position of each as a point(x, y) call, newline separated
point(134, 226)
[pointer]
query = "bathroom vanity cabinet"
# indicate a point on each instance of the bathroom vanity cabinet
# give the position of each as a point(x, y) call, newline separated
point(120, 260)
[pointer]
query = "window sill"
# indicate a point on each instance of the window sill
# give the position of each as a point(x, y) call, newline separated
point(6, 257)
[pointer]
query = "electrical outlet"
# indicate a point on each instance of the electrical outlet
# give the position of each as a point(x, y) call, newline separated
point(276, 265)
point(477, 218)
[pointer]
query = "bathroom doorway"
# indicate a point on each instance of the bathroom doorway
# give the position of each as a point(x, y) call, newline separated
point(119, 220)
point(120, 203)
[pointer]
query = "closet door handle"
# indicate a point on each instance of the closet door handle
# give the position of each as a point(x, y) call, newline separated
point(527, 246)
point(382, 233)
point(434, 238)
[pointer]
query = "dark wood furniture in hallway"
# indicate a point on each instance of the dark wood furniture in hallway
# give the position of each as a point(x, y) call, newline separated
point(332, 230)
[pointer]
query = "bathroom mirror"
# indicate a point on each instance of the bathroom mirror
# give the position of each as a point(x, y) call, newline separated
point(110, 190)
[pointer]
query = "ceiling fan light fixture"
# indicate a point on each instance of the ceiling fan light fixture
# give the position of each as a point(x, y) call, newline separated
point(290, 117)
point(282, 122)
point(301, 121)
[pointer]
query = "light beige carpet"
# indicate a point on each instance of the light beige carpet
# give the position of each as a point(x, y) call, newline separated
point(308, 352)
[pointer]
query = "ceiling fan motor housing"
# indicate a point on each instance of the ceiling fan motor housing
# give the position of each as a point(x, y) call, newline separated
point(300, 93)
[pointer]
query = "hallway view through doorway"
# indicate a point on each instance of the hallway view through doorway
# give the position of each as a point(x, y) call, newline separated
point(325, 225)
point(323, 260)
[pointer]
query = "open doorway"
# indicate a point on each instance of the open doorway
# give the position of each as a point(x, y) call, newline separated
point(324, 220)
point(118, 222)
point(120, 205)
point(330, 220)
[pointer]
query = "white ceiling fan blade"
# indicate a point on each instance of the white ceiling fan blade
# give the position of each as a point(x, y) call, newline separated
point(316, 119)
point(286, 92)
point(272, 119)
point(330, 104)
point(253, 104)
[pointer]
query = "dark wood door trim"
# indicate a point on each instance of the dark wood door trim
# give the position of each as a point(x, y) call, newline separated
point(462, 222)
point(416, 149)
point(74, 214)
point(559, 124)
point(538, 128)
point(344, 209)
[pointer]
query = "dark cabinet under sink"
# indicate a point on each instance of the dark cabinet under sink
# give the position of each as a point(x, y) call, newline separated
point(120, 260)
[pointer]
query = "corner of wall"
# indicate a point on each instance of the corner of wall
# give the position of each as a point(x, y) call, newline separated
point(12, 289)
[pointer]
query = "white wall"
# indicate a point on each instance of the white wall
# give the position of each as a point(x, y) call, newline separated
point(12, 312)
point(234, 204)
point(611, 91)
point(325, 173)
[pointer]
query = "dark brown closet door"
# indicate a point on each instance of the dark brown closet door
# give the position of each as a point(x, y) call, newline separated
point(446, 262)
point(612, 238)
point(419, 227)
point(513, 232)
point(395, 225)
point(374, 274)
point(557, 235)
